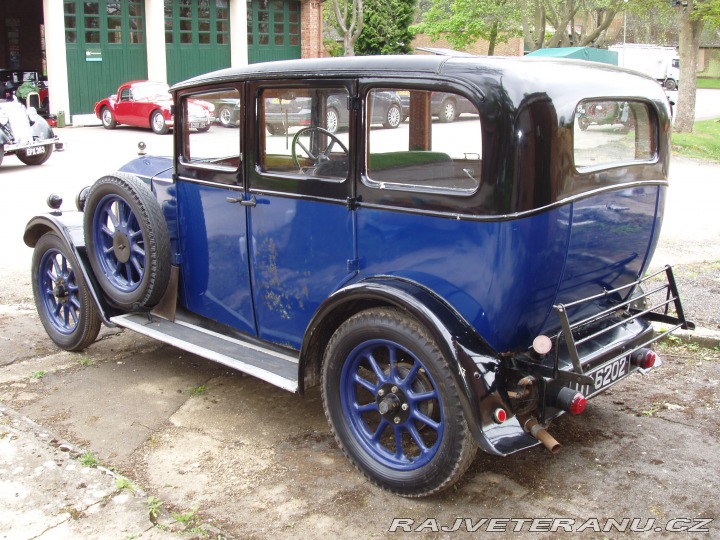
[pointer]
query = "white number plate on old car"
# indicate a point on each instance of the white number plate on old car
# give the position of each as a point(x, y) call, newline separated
point(604, 376)
point(35, 150)
point(197, 125)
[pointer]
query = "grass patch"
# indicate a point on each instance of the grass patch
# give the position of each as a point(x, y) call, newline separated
point(85, 361)
point(703, 144)
point(197, 390)
point(38, 374)
point(88, 459)
point(124, 483)
point(706, 82)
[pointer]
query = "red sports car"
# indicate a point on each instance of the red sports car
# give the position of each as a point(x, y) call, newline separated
point(148, 104)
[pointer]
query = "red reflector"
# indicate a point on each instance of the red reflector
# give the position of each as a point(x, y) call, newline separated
point(648, 360)
point(499, 415)
point(578, 403)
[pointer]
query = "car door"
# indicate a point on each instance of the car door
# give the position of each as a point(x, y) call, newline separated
point(213, 217)
point(301, 228)
point(124, 106)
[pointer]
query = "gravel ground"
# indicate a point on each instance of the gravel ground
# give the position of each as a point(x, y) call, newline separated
point(699, 287)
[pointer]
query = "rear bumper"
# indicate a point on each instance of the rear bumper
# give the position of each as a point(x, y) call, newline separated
point(588, 355)
point(12, 148)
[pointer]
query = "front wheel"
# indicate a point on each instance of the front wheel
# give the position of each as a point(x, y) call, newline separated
point(62, 297)
point(106, 116)
point(670, 84)
point(447, 111)
point(158, 124)
point(392, 406)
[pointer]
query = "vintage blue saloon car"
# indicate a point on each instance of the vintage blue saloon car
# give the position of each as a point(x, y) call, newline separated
point(448, 285)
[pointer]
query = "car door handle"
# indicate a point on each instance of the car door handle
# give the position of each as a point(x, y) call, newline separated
point(251, 202)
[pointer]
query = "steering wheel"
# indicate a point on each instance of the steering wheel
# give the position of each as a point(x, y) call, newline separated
point(322, 156)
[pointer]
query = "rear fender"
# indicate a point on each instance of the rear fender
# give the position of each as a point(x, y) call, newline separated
point(68, 226)
point(474, 365)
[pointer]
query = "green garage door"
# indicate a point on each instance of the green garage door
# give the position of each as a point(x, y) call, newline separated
point(273, 30)
point(105, 44)
point(197, 37)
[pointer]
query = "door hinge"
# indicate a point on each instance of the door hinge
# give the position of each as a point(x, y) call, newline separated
point(353, 103)
point(353, 203)
point(353, 266)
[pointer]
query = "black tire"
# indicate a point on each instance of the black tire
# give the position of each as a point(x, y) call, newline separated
point(583, 123)
point(158, 124)
point(356, 412)
point(447, 111)
point(37, 159)
point(224, 115)
point(62, 297)
point(127, 241)
point(393, 117)
point(204, 129)
point(670, 84)
point(108, 120)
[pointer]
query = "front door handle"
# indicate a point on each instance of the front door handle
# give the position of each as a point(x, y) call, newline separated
point(251, 202)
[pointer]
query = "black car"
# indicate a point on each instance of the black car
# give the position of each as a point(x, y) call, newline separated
point(443, 105)
point(285, 111)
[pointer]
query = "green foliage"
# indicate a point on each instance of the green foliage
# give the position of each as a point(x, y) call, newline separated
point(197, 390)
point(704, 143)
point(123, 483)
point(190, 520)
point(38, 374)
point(88, 459)
point(463, 22)
point(386, 27)
point(708, 83)
point(154, 505)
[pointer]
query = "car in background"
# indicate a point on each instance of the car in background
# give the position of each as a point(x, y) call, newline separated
point(443, 105)
point(227, 112)
point(12, 79)
point(24, 133)
point(148, 104)
point(281, 113)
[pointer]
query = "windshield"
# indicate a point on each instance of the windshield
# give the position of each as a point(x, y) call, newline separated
point(148, 91)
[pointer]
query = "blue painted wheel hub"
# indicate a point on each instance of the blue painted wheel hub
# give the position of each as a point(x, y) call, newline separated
point(392, 405)
point(59, 292)
point(120, 243)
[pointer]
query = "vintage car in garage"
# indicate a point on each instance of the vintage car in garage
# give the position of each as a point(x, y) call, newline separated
point(25, 134)
point(448, 286)
point(149, 104)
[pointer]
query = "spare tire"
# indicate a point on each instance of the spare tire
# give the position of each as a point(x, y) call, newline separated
point(127, 241)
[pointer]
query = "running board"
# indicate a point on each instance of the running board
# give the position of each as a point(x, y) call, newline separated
point(270, 366)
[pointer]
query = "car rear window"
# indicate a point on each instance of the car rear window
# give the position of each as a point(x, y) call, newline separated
point(436, 146)
point(612, 133)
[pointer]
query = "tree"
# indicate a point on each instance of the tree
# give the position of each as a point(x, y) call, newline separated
point(349, 16)
point(463, 22)
point(386, 27)
point(561, 23)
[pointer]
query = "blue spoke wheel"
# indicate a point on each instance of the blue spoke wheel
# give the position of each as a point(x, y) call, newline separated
point(127, 241)
point(390, 400)
point(61, 296)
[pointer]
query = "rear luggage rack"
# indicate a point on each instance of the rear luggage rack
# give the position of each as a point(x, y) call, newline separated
point(648, 305)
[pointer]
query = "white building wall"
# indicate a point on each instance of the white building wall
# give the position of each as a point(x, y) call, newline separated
point(56, 57)
point(238, 33)
point(155, 40)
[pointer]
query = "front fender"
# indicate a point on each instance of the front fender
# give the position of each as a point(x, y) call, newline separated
point(473, 363)
point(69, 227)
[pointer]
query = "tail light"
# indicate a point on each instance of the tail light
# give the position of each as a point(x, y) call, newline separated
point(643, 358)
point(567, 399)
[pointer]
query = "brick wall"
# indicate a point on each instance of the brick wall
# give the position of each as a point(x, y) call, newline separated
point(311, 29)
point(513, 47)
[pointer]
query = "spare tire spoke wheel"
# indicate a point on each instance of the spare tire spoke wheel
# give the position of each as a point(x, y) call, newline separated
point(127, 241)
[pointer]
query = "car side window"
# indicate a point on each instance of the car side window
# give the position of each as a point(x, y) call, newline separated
point(211, 129)
point(432, 141)
point(304, 131)
point(125, 94)
point(612, 132)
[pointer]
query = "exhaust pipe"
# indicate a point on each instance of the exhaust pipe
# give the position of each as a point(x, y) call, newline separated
point(537, 430)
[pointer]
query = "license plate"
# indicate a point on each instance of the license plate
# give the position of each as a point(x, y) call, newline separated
point(197, 125)
point(604, 376)
point(35, 150)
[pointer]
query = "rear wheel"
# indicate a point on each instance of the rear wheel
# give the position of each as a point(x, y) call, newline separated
point(333, 120)
point(62, 297)
point(393, 117)
point(392, 406)
point(276, 129)
point(670, 84)
point(225, 116)
point(36, 159)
